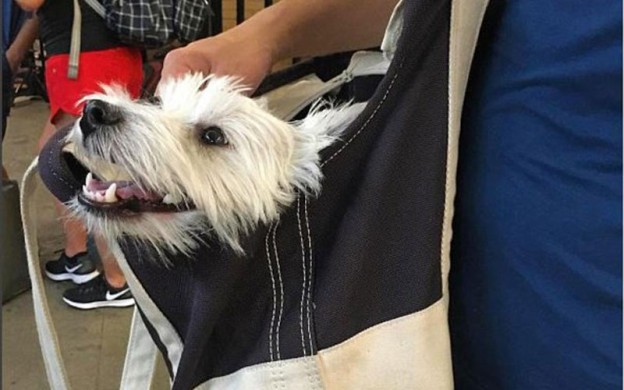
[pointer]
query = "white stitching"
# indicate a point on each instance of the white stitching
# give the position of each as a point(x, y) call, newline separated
point(303, 267)
point(279, 275)
point(308, 370)
point(282, 377)
point(266, 240)
point(54, 171)
point(370, 118)
point(305, 205)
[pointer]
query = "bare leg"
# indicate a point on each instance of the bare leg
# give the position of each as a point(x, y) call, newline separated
point(75, 232)
point(112, 272)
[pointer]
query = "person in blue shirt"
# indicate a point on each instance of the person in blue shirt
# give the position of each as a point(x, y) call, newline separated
point(536, 265)
point(18, 35)
point(536, 273)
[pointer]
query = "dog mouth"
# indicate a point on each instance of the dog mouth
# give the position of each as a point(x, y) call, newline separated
point(126, 197)
point(123, 198)
point(69, 179)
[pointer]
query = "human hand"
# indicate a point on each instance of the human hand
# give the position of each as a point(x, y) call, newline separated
point(229, 53)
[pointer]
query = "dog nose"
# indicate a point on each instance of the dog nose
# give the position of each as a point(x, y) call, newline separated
point(98, 113)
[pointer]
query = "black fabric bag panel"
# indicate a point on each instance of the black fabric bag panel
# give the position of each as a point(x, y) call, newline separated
point(366, 251)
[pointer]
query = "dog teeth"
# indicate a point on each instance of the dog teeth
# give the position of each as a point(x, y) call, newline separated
point(171, 199)
point(88, 179)
point(89, 194)
point(109, 195)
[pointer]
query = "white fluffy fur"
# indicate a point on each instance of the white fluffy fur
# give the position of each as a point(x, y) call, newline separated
point(235, 187)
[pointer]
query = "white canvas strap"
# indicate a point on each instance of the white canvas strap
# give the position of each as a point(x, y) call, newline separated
point(287, 101)
point(140, 363)
point(97, 7)
point(74, 48)
point(48, 339)
point(76, 34)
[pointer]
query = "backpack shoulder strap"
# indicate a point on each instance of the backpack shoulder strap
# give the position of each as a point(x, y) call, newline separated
point(74, 48)
point(97, 7)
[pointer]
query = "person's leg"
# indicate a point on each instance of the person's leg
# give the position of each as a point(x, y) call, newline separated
point(73, 263)
point(107, 290)
point(122, 67)
point(75, 232)
point(113, 274)
point(6, 102)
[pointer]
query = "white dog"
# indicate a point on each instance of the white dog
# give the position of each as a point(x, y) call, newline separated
point(203, 158)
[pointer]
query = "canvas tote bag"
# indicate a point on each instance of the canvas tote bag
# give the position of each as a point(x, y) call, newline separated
point(347, 290)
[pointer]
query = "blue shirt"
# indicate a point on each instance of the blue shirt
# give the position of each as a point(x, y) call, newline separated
point(12, 18)
point(536, 274)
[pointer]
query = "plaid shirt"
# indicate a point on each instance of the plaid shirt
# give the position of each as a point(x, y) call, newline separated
point(153, 23)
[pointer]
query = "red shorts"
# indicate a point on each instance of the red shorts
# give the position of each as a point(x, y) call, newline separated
point(122, 66)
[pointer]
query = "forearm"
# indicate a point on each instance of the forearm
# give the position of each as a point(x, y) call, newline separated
point(28, 5)
point(24, 40)
point(301, 28)
point(290, 28)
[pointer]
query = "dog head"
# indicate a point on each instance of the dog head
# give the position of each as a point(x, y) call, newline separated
point(202, 157)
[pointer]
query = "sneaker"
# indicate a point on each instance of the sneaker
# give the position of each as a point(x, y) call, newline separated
point(98, 293)
point(79, 268)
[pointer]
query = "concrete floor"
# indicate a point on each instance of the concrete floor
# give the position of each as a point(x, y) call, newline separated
point(93, 343)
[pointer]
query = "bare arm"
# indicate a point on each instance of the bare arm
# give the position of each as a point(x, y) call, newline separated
point(29, 5)
point(22, 43)
point(295, 28)
point(290, 28)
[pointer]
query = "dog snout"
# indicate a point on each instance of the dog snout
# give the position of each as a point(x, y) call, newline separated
point(97, 114)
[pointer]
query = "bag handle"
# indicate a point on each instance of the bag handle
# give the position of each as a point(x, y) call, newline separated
point(141, 354)
point(48, 339)
point(140, 362)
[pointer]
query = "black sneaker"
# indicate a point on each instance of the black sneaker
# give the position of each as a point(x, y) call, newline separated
point(98, 293)
point(79, 268)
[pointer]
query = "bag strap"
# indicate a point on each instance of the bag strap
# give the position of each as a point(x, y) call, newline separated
point(141, 354)
point(74, 48)
point(48, 339)
point(97, 7)
point(140, 363)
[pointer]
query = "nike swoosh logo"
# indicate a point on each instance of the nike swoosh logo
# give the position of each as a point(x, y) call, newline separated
point(112, 297)
point(73, 269)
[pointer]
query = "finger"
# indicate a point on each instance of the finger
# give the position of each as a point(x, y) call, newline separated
point(175, 64)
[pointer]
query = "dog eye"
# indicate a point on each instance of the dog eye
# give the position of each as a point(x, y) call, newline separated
point(213, 135)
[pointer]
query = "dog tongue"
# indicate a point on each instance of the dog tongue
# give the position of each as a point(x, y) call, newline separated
point(133, 190)
point(96, 185)
point(125, 189)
